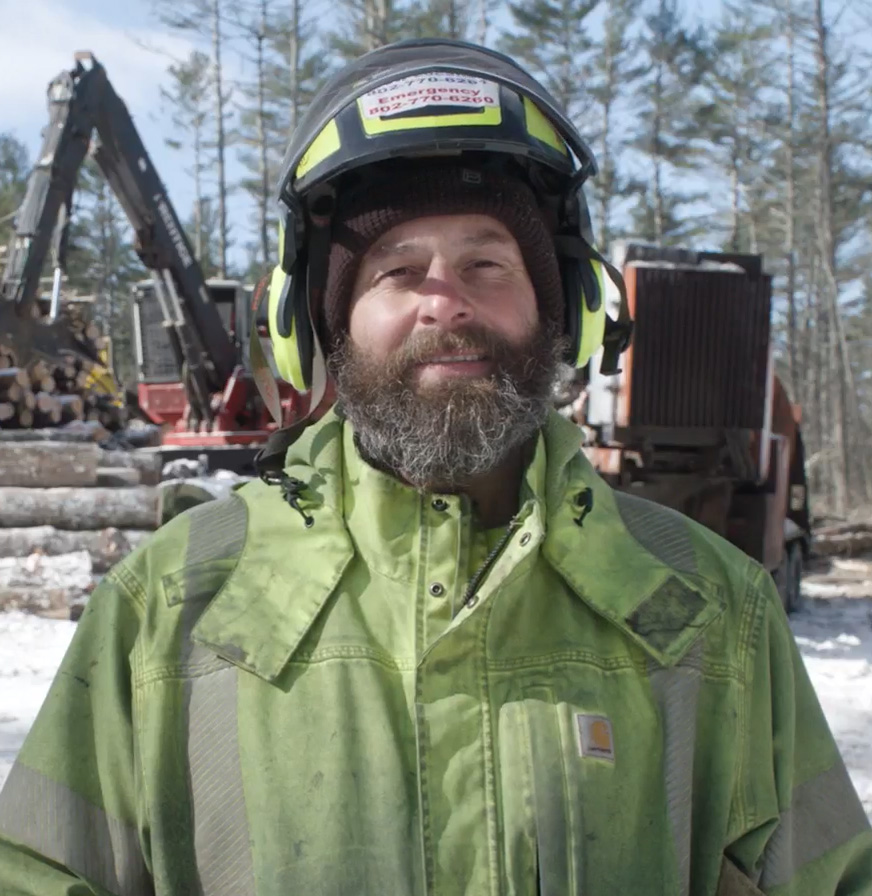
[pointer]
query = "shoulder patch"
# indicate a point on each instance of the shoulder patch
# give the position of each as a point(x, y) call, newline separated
point(215, 539)
point(663, 532)
point(667, 613)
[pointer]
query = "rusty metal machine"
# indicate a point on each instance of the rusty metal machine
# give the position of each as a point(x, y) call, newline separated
point(698, 420)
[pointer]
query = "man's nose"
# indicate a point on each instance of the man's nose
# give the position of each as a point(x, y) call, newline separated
point(443, 299)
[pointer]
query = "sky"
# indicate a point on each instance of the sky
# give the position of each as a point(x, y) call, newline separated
point(38, 39)
point(37, 42)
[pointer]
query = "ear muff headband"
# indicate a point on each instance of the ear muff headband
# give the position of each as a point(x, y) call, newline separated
point(298, 354)
point(583, 289)
point(592, 312)
point(283, 329)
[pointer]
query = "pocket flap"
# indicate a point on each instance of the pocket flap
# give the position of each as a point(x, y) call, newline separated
point(733, 882)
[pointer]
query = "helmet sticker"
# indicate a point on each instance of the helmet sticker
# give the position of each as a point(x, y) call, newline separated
point(431, 89)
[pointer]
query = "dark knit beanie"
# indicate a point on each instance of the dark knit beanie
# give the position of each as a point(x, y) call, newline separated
point(421, 192)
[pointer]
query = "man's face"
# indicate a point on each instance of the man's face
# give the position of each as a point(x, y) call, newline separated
point(436, 276)
point(445, 368)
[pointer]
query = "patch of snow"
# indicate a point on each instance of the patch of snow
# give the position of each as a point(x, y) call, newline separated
point(835, 640)
point(31, 649)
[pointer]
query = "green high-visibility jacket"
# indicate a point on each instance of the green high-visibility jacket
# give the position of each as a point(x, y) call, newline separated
point(343, 687)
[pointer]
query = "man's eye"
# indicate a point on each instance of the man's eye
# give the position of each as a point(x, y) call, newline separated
point(484, 263)
point(396, 273)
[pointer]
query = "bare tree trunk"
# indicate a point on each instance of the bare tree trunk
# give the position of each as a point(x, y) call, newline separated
point(220, 139)
point(263, 163)
point(735, 205)
point(790, 201)
point(815, 379)
point(198, 196)
point(659, 226)
point(608, 170)
point(455, 29)
point(608, 180)
point(376, 15)
point(295, 64)
point(824, 226)
point(483, 24)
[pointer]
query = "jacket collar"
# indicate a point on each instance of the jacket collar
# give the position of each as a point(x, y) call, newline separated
point(269, 602)
point(286, 571)
point(659, 606)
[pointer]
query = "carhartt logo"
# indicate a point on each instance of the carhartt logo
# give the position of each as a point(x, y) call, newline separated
point(595, 736)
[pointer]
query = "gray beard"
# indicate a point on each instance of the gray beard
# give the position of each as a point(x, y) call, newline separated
point(441, 437)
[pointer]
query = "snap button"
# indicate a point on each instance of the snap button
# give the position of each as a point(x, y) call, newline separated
point(439, 504)
point(525, 539)
point(437, 589)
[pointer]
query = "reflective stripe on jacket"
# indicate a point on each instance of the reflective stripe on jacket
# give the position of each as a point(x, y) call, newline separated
point(254, 706)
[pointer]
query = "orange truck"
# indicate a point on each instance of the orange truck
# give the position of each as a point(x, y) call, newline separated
point(697, 419)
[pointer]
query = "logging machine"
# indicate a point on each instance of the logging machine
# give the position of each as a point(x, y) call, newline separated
point(208, 401)
point(697, 419)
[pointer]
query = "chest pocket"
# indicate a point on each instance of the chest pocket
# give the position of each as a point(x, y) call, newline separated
point(584, 800)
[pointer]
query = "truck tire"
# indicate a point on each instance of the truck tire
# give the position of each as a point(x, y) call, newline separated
point(788, 578)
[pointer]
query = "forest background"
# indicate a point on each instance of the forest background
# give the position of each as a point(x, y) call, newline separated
point(743, 125)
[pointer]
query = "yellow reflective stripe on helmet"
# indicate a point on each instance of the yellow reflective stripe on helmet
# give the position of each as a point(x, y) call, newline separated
point(593, 323)
point(489, 117)
point(321, 148)
point(539, 127)
point(284, 348)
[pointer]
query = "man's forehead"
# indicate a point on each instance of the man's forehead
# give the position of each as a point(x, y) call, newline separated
point(458, 230)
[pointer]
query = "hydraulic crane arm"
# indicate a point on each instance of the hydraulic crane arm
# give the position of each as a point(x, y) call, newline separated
point(82, 102)
point(40, 223)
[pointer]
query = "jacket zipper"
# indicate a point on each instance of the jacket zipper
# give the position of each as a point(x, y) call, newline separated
point(469, 596)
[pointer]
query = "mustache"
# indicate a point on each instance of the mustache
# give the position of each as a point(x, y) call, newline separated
point(468, 340)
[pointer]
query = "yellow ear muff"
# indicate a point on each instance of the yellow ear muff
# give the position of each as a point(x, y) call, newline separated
point(592, 309)
point(282, 330)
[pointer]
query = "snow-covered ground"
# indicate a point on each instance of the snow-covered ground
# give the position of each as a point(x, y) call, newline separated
point(834, 633)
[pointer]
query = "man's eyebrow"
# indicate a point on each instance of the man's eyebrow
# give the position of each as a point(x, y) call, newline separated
point(486, 237)
point(384, 249)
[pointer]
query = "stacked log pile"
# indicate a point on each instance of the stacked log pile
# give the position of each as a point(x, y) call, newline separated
point(848, 539)
point(68, 511)
point(51, 394)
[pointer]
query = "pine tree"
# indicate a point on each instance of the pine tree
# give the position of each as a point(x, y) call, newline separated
point(101, 262)
point(286, 65)
point(552, 39)
point(300, 64)
point(366, 25)
point(206, 215)
point(735, 115)
point(818, 188)
point(188, 97)
point(208, 20)
point(14, 169)
point(615, 71)
point(258, 120)
point(666, 138)
point(441, 18)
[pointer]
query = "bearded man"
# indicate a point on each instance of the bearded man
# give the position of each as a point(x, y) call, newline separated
point(432, 652)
